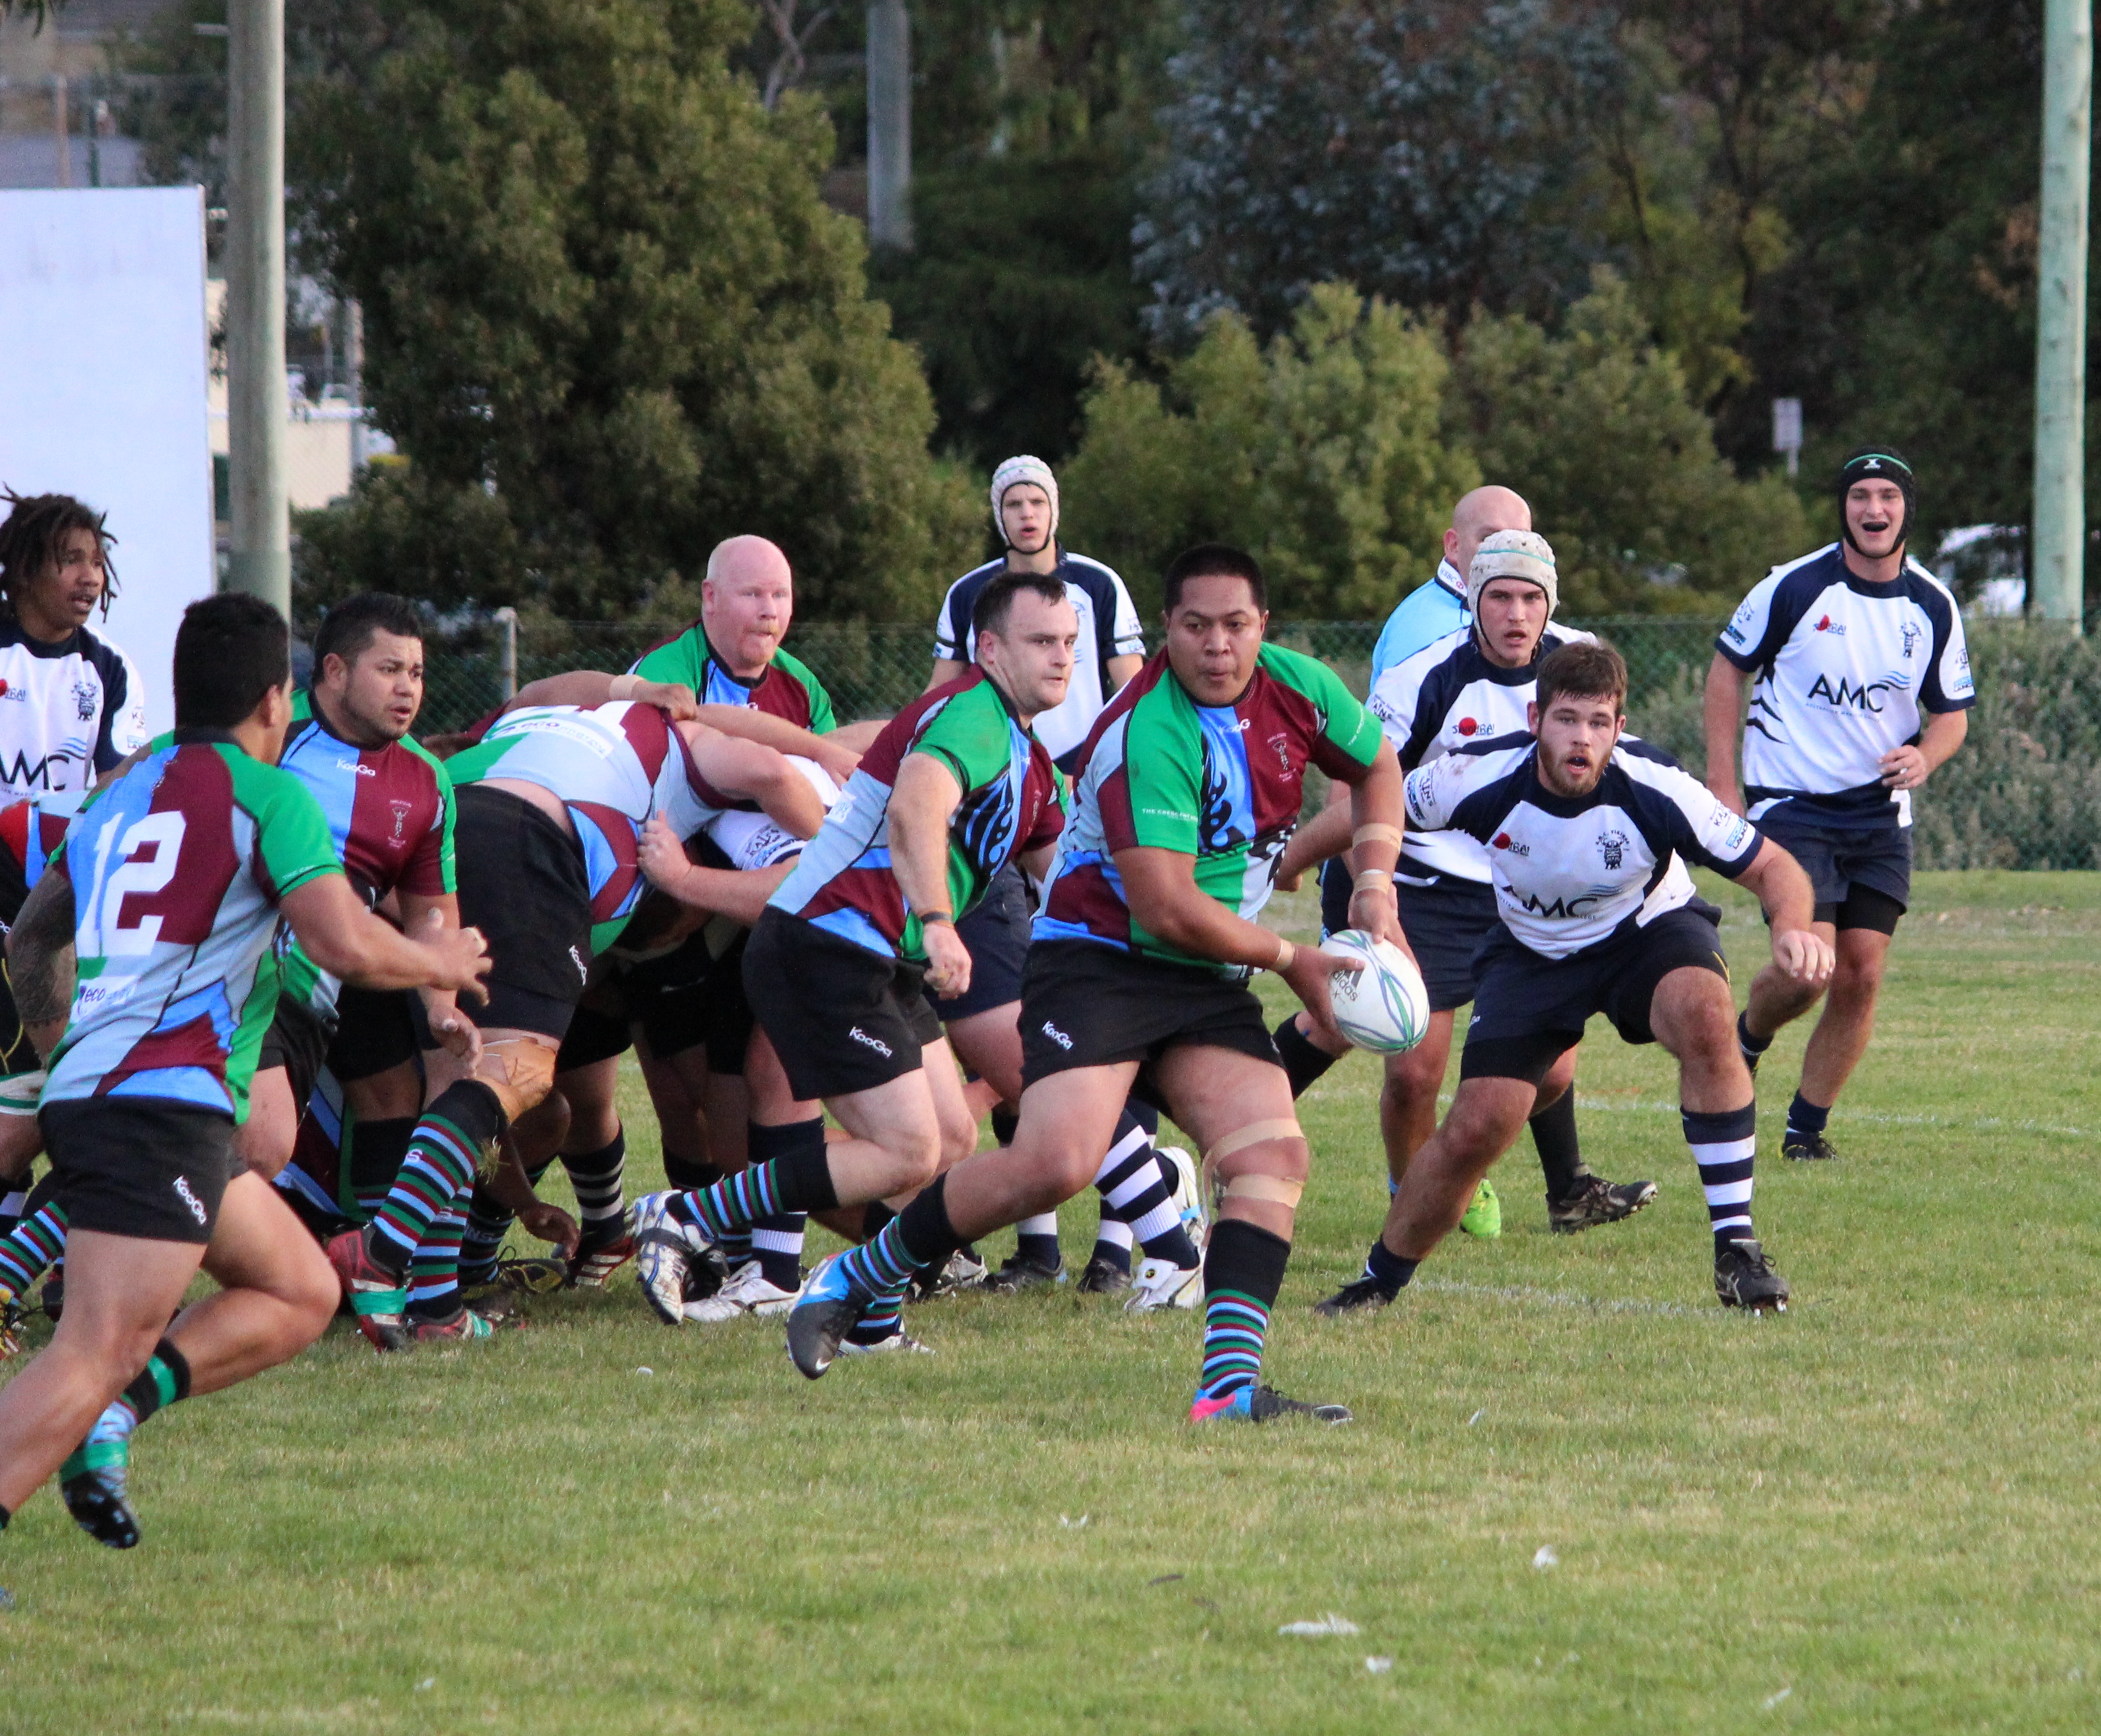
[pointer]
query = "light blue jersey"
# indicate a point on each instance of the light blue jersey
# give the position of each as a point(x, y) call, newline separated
point(1424, 617)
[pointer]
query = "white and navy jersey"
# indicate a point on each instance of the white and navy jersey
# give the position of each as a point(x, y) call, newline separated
point(70, 710)
point(1570, 872)
point(1108, 628)
point(1847, 670)
point(1446, 696)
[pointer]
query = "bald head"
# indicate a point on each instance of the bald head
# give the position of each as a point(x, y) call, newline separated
point(746, 603)
point(1478, 513)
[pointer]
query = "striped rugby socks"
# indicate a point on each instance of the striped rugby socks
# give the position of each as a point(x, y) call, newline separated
point(1723, 1146)
point(1243, 1271)
point(443, 1153)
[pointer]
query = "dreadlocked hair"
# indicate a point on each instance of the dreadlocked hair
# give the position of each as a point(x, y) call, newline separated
point(31, 535)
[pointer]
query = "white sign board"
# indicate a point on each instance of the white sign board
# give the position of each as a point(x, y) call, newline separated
point(104, 363)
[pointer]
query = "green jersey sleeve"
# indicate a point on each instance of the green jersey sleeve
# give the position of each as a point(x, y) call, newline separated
point(292, 841)
point(1347, 727)
point(678, 659)
point(969, 736)
point(1163, 762)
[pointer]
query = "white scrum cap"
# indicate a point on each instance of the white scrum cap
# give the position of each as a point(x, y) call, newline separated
point(1514, 555)
point(1023, 469)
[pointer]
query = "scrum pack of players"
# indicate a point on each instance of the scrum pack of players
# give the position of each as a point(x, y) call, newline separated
point(287, 966)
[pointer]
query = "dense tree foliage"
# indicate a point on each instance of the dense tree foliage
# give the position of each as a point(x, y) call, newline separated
point(601, 292)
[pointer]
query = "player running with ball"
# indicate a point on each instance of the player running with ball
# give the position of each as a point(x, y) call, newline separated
point(1586, 831)
point(1191, 786)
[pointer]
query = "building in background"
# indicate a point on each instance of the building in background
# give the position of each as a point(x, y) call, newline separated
point(58, 88)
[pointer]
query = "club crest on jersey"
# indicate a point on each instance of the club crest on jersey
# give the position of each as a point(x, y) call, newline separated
point(1911, 636)
point(84, 697)
point(1280, 745)
point(1612, 847)
point(402, 809)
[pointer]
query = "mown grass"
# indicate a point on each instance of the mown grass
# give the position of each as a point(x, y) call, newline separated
point(1877, 1513)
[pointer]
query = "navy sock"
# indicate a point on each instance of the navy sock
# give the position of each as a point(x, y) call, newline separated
point(1389, 1270)
point(1749, 1044)
point(1303, 1063)
point(1560, 1157)
point(1806, 1118)
point(682, 1174)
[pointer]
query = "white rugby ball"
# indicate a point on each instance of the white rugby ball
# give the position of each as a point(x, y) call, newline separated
point(1382, 1005)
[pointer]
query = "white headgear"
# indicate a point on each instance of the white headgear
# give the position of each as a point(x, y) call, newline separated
point(1023, 469)
point(1513, 554)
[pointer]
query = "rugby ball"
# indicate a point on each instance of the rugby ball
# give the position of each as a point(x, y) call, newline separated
point(1382, 1005)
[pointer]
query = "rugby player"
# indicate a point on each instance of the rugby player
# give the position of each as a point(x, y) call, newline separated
point(1190, 788)
point(168, 892)
point(1471, 685)
point(551, 806)
point(954, 789)
point(75, 705)
point(982, 1023)
point(1859, 691)
point(1425, 614)
point(1588, 835)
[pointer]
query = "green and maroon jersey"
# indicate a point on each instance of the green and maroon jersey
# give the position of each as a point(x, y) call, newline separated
point(786, 690)
point(389, 809)
point(177, 868)
point(842, 880)
point(1224, 784)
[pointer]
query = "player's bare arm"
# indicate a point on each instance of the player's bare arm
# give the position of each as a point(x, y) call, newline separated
point(346, 940)
point(739, 894)
point(429, 912)
point(746, 769)
point(589, 688)
point(924, 796)
point(40, 961)
point(1722, 715)
point(1910, 766)
point(1377, 811)
point(748, 723)
point(1777, 880)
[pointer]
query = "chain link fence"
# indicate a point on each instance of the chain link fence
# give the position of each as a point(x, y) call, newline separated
point(2025, 792)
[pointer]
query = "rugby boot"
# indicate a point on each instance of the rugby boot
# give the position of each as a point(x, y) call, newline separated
point(1103, 1277)
point(748, 1291)
point(1018, 1274)
point(964, 1270)
point(93, 1483)
point(823, 1313)
point(1360, 1296)
point(1264, 1404)
point(1745, 1278)
point(11, 1329)
point(1160, 1283)
point(665, 1250)
point(378, 1299)
point(461, 1324)
point(1188, 1194)
point(1598, 1202)
point(1807, 1148)
point(599, 1256)
point(1484, 1216)
point(899, 1339)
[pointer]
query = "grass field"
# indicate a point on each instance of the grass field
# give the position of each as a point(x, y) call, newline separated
point(1876, 1514)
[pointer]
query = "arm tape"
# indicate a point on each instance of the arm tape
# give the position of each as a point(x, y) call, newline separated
point(1376, 831)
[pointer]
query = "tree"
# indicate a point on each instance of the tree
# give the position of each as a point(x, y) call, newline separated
point(1596, 428)
point(1322, 453)
point(601, 293)
point(1427, 151)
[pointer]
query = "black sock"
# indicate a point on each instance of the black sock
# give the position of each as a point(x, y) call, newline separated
point(1303, 1062)
point(12, 1203)
point(1806, 1118)
point(683, 1174)
point(1749, 1044)
point(5, 1516)
point(874, 1215)
point(1560, 1157)
point(377, 1149)
point(165, 1379)
point(923, 1227)
point(1389, 1270)
point(1004, 1122)
point(804, 1174)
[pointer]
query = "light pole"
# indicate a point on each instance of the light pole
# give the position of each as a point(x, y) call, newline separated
point(259, 557)
point(2058, 568)
point(889, 124)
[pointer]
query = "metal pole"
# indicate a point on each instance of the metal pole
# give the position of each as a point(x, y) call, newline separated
point(260, 559)
point(2058, 569)
point(889, 124)
point(506, 654)
point(62, 127)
